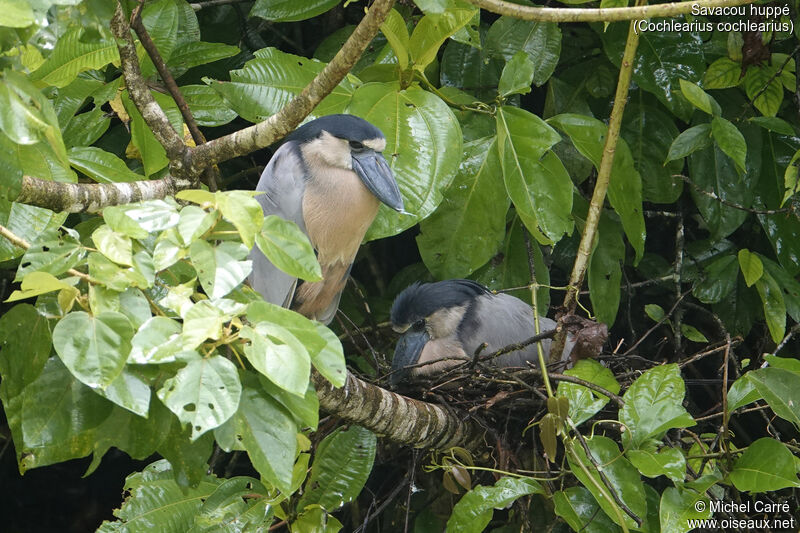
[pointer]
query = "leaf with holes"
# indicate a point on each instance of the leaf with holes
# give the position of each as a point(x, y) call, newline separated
point(204, 394)
point(279, 355)
point(221, 268)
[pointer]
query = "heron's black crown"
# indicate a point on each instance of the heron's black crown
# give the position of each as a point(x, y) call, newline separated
point(348, 127)
point(420, 300)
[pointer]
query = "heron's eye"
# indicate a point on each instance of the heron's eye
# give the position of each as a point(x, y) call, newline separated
point(355, 145)
point(419, 325)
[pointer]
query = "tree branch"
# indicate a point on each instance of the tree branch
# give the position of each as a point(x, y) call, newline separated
point(140, 95)
point(281, 123)
point(93, 197)
point(400, 419)
point(610, 14)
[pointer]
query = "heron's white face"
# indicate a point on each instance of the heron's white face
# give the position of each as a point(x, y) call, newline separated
point(336, 152)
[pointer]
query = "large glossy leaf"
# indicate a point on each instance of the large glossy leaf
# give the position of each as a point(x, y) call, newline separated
point(272, 79)
point(77, 50)
point(718, 280)
point(653, 404)
point(423, 148)
point(622, 476)
point(541, 40)
point(192, 54)
point(94, 348)
point(766, 465)
point(536, 181)
point(267, 431)
point(329, 361)
point(517, 75)
point(678, 507)
point(730, 140)
point(662, 59)
point(396, 32)
point(161, 19)
point(649, 134)
point(207, 107)
point(470, 69)
point(290, 10)
point(578, 508)
point(605, 272)
point(59, 418)
point(652, 462)
point(341, 466)
point(474, 510)
point(781, 389)
point(584, 403)
point(763, 85)
point(150, 151)
point(204, 394)
point(432, 30)
point(625, 186)
point(101, 166)
point(468, 227)
point(156, 498)
point(288, 248)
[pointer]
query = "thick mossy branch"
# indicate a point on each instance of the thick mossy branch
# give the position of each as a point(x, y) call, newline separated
point(93, 197)
point(400, 419)
point(609, 14)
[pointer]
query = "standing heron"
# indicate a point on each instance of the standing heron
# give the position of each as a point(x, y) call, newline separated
point(329, 178)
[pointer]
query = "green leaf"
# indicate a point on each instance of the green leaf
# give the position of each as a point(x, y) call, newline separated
point(221, 268)
point(244, 211)
point(157, 341)
point(584, 403)
point(36, 283)
point(207, 107)
point(662, 60)
point(719, 279)
point(654, 311)
point(517, 75)
point(473, 512)
point(241, 501)
point(288, 248)
point(650, 132)
point(622, 476)
point(722, 74)
point(86, 128)
point(766, 465)
point(342, 463)
point(781, 390)
point(113, 245)
point(272, 79)
point(778, 125)
point(315, 518)
point(279, 355)
point(79, 49)
point(129, 391)
point(153, 155)
point(774, 306)
point(678, 507)
point(764, 88)
point(101, 166)
point(536, 181)
point(432, 30)
point(154, 497)
point(194, 53)
point(473, 70)
point(267, 431)
point(329, 361)
point(304, 409)
point(395, 30)
point(653, 404)
point(201, 321)
point(696, 96)
point(691, 140)
point(692, 333)
point(204, 394)
point(541, 40)
point(93, 348)
point(423, 149)
point(730, 140)
point(741, 393)
point(751, 266)
point(468, 227)
point(578, 508)
point(653, 463)
point(605, 272)
point(290, 10)
point(15, 14)
point(625, 186)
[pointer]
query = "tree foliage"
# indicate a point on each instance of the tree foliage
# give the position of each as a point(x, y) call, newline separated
point(130, 325)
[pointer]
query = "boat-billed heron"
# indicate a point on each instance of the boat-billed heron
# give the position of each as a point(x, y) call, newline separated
point(329, 178)
point(449, 320)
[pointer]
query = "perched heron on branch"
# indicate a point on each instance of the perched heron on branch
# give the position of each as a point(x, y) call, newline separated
point(450, 320)
point(329, 178)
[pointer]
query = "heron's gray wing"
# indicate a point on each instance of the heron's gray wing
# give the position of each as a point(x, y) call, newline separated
point(283, 184)
point(500, 320)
